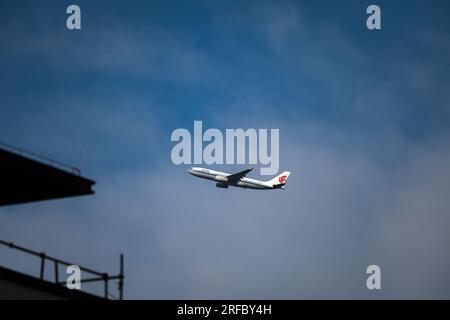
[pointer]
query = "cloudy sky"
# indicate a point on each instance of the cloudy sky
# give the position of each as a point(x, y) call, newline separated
point(364, 127)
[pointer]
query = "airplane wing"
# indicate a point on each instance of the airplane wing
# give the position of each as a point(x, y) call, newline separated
point(237, 176)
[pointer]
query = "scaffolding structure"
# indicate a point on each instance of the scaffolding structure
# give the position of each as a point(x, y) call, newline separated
point(96, 275)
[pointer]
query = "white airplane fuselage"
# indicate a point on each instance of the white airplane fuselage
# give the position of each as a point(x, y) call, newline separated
point(223, 181)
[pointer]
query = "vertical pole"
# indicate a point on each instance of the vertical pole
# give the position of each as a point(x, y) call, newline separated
point(42, 265)
point(106, 278)
point(121, 278)
point(56, 272)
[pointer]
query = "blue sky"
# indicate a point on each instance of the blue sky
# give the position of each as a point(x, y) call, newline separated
point(363, 118)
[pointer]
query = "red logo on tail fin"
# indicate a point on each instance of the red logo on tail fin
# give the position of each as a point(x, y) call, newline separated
point(282, 179)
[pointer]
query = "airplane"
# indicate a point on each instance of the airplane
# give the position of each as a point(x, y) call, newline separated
point(224, 180)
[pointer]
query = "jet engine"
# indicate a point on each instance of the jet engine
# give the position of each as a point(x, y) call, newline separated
point(221, 185)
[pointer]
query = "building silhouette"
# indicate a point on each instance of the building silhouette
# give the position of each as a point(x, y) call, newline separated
point(28, 177)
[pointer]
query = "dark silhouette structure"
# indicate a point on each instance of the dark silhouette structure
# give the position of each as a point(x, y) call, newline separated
point(24, 179)
point(15, 285)
point(28, 177)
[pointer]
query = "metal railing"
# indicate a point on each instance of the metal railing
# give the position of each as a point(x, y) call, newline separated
point(35, 156)
point(97, 276)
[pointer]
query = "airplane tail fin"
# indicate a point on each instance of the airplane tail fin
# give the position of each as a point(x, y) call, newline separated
point(280, 180)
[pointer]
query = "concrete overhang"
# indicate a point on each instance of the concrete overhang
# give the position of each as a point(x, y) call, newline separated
point(23, 180)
